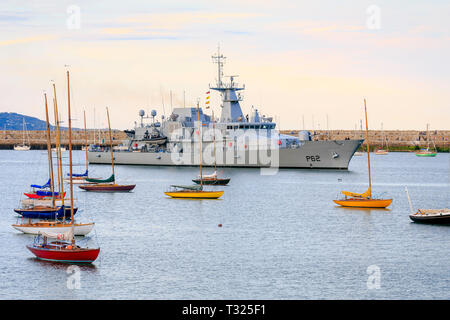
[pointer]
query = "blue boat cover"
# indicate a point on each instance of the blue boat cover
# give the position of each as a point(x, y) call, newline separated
point(79, 174)
point(47, 185)
point(42, 193)
point(62, 211)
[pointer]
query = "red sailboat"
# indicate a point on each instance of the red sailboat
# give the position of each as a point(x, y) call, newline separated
point(64, 249)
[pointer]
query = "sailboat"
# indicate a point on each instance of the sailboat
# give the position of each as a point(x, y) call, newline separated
point(432, 216)
point(80, 178)
point(194, 191)
point(381, 150)
point(107, 185)
point(64, 249)
point(363, 200)
point(23, 146)
point(212, 179)
point(37, 209)
point(427, 152)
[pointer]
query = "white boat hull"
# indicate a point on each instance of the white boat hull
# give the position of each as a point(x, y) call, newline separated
point(46, 203)
point(81, 229)
point(22, 148)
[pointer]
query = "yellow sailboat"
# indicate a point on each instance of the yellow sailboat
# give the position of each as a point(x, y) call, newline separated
point(363, 200)
point(194, 191)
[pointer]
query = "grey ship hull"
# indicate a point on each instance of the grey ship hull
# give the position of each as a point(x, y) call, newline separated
point(311, 155)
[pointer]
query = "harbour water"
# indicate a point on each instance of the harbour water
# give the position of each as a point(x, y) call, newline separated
point(282, 237)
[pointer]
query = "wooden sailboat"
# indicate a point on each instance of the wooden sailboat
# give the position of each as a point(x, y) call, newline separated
point(427, 152)
point(23, 146)
point(213, 179)
point(432, 216)
point(54, 226)
point(62, 250)
point(107, 185)
point(381, 150)
point(194, 191)
point(39, 210)
point(363, 200)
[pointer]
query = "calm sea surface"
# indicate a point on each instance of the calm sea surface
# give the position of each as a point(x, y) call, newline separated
point(282, 236)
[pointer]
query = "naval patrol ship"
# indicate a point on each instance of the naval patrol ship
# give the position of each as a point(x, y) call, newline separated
point(233, 140)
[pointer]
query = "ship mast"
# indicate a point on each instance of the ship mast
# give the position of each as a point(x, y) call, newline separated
point(231, 110)
point(220, 60)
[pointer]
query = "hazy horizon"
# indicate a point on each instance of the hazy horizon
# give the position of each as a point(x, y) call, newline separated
point(297, 59)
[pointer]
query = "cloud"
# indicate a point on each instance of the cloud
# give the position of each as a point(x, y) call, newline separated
point(27, 40)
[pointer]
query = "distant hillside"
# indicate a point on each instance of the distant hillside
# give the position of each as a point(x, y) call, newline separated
point(14, 121)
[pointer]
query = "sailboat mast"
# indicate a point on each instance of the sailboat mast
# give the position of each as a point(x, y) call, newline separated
point(200, 144)
point(85, 140)
point(49, 148)
point(214, 136)
point(58, 148)
point(70, 154)
point(23, 130)
point(110, 141)
point(368, 149)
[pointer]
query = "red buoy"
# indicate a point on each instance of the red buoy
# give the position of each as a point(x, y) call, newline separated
point(219, 225)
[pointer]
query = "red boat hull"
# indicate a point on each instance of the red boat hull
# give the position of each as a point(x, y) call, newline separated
point(35, 196)
point(108, 187)
point(81, 255)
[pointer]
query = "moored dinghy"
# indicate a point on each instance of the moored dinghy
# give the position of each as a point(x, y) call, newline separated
point(363, 200)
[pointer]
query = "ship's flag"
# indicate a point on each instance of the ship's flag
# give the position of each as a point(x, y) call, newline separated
point(207, 100)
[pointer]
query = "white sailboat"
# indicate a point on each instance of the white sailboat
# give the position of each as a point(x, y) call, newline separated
point(381, 150)
point(23, 146)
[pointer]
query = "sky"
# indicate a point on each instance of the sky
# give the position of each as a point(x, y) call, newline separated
point(308, 64)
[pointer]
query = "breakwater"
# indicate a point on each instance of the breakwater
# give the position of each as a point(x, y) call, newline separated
point(397, 140)
point(38, 139)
